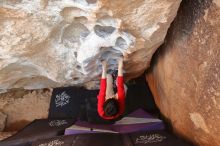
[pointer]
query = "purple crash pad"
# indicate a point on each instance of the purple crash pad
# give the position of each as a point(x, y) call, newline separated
point(137, 121)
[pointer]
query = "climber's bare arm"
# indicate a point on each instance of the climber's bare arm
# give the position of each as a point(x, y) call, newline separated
point(120, 66)
point(104, 69)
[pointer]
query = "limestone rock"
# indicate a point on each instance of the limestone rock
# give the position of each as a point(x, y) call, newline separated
point(22, 107)
point(4, 135)
point(3, 118)
point(185, 73)
point(50, 43)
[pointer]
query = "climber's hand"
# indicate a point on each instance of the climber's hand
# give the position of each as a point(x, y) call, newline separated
point(104, 64)
point(125, 55)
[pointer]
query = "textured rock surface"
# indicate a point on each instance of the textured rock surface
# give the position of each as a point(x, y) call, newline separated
point(185, 74)
point(22, 107)
point(3, 118)
point(4, 135)
point(48, 43)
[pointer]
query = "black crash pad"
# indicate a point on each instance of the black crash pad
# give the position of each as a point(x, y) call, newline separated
point(153, 138)
point(38, 129)
point(82, 140)
point(78, 102)
point(67, 102)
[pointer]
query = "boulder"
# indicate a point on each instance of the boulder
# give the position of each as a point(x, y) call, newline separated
point(22, 107)
point(185, 73)
point(4, 135)
point(51, 43)
point(3, 119)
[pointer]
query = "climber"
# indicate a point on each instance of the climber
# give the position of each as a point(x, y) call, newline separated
point(111, 105)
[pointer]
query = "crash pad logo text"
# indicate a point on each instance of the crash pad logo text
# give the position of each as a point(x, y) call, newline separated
point(62, 99)
point(56, 142)
point(150, 138)
point(57, 123)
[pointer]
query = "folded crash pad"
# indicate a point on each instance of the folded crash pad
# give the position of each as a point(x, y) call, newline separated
point(38, 129)
point(82, 140)
point(149, 138)
point(138, 120)
point(77, 103)
point(67, 102)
